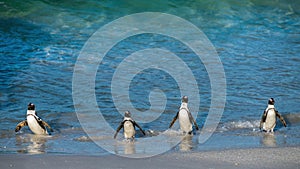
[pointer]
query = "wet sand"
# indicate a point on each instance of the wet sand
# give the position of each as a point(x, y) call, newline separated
point(288, 158)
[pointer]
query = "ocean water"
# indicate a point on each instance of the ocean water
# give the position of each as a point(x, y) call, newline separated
point(258, 44)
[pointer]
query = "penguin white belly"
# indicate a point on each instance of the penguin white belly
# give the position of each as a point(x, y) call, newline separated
point(184, 121)
point(34, 126)
point(270, 122)
point(129, 130)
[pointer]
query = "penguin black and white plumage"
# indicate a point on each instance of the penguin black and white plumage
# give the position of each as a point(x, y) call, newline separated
point(36, 124)
point(129, 127)
point(185, 117)
point(268, 119)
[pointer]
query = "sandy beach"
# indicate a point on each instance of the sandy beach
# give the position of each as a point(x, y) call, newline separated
point(272, 158)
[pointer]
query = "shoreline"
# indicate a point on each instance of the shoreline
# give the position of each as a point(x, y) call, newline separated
point(284, 157)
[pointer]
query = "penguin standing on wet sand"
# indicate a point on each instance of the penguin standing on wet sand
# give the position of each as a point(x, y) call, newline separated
point(36, 124)
point(185, 117)
point(268, 119)
point(129, 127)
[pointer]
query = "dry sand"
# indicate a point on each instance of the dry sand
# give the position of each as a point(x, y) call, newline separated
point(287, 158)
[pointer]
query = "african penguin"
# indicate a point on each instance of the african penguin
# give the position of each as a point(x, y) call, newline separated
point(185, 117)
point(36, 124)
point(128, 124)
point(268, 119)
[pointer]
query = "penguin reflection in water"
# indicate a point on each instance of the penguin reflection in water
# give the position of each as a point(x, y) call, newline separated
point(268, 119)
point(129, 127)
point(36, 124)
point(185, 118)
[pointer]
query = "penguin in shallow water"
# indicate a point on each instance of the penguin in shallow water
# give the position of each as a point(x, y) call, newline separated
point(185, 117)
point(36, 124)
point(129, 127)
point(268, 119)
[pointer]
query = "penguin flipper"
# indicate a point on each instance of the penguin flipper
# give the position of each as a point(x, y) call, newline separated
point(20, 125)
point(174, 119)
point(119, 128)
point(135, 124)
point(192, 120)
point(281, 118)
point(40, 121)
point(263, 119)
point(46, 125)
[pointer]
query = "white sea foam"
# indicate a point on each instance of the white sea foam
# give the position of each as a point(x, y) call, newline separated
point(240, 124)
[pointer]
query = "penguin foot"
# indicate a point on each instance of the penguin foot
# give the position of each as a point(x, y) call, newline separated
point(129, 140)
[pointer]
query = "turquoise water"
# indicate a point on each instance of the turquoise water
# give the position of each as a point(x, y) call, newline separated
point(258, 44)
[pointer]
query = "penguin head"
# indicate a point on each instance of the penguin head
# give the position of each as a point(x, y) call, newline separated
point(31, 106)
point(185, 99)
point(127, 114)
point(271, 101)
